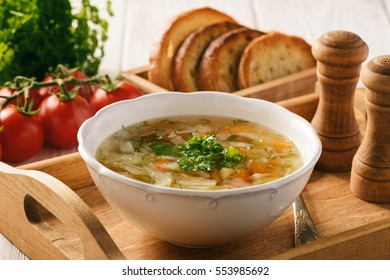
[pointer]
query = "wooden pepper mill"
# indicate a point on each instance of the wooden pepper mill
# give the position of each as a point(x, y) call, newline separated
point(339, 56)
point(370, 174)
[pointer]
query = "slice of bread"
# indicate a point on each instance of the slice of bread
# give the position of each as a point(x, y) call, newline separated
point(178, 29)
point(186, 61)
point(273, 56)
point(219, 64)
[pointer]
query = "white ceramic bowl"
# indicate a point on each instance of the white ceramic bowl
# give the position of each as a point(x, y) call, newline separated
point(198, 218)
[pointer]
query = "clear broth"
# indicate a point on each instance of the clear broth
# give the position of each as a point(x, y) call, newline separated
point(267, 155)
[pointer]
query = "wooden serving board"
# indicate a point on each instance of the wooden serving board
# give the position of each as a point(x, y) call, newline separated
point(52, 210)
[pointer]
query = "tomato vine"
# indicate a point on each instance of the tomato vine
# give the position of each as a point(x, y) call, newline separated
point(66, 98)
point(62, 77)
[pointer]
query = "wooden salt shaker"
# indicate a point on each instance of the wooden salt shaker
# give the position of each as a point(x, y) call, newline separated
point(339, 55)
point(370, 174)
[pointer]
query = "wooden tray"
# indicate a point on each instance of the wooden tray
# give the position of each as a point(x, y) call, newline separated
point(52, 210)
point(288, 87)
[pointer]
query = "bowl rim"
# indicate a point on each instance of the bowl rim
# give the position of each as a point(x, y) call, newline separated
point(100, 169)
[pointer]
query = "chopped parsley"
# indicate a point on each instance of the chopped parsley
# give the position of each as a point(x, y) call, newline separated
point(162, 148)
point(199, 153)
point(232, 157)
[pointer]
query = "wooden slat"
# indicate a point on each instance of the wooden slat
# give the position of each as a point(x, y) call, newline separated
point(61, 167)
point(354, 244)
point(304, 105)
point(283, 88)
point(277, 90)
point(138, 77)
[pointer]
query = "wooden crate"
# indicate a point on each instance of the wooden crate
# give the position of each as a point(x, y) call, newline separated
point(52, 210)
point(288, 87)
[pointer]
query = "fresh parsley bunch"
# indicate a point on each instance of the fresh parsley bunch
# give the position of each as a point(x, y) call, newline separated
point(36, 35)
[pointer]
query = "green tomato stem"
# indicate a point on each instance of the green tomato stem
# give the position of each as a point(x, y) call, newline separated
point(23, 85)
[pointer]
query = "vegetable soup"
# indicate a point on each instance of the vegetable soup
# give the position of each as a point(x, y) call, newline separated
point(205, 153)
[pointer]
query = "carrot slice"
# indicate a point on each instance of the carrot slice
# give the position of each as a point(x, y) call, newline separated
point(281, 143)
point(242, 173)
point(162, 164)
point(261, 167)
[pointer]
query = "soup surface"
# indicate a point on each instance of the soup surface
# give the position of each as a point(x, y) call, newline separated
point(206, 153)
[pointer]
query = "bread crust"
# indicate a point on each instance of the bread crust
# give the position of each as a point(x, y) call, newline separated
point(187, 58)
point(178, 28)
point(219, 64)
point(272, 56)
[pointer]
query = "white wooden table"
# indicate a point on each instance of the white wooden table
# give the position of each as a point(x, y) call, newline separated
point(137, 23)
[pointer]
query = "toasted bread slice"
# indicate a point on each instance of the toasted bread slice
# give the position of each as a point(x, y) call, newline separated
point(273, 56)
point(188, 55)
point(219, 64)
point(178, 29)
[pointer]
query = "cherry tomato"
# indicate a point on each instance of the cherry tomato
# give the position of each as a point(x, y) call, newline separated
point(22, 136)
point(62, 119)
point(84, 91)
point(102, 98)
point(1, 147)
point(35, 97)
point(46, 91)
point(34, 94)
point(4, 91)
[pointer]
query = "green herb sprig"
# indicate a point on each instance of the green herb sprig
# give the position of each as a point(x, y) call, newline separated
point(38, 34)
point(200, 153)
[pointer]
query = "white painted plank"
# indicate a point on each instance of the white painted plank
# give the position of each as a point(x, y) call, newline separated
point(145, 20)
point(113, 47)
point(111, 61)
point(310, 19)
point(8, 251)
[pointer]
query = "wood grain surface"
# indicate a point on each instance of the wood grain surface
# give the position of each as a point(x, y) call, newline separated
point(338, 214)
point(350, 227)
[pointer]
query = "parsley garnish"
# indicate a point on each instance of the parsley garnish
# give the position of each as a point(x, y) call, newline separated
point(232, 157)
point(162, 148)
point(205, 153)
point(199, 153)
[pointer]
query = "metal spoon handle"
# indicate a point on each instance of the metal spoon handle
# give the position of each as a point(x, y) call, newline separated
point(305, 229)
